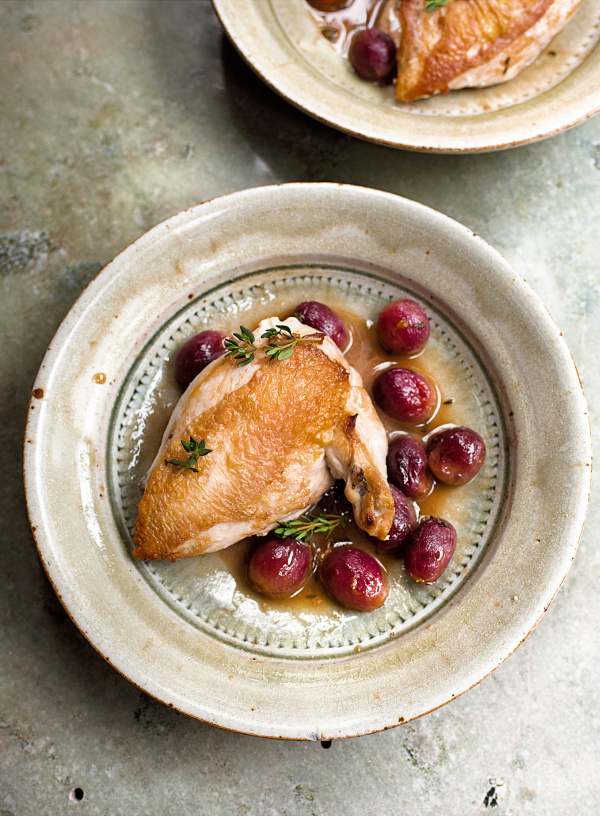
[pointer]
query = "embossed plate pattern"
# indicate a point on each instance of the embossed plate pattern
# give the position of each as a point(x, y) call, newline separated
point(203, 590)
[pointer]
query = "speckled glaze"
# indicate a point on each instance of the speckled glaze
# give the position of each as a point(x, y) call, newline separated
point(286, 48)
point(67, 460)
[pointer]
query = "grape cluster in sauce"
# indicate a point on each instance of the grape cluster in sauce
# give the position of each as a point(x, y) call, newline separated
point(386, 355)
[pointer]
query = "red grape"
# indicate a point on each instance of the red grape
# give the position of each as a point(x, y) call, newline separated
point(405, 395)
point(373, 55)
point(429, 551)
point(455, 455)
point(197, 353)
point(279, 567)
point(407, 466)
point(323, 319)
point(330, 5)
point(354, 578)
point(405, 521)
point(403, 327)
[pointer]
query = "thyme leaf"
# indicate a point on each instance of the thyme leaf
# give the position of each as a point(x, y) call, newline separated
point(432, 5)
point(242, 348)
point(305, 527)
point(281, 345)
point(282, 341)
point(195, 449)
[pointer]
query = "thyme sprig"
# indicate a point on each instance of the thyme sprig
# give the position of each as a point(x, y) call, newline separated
point(195, 449)
point(305, 527)
point(282, 341)
point(281, 345)
point(432, 5)
point(242, 348)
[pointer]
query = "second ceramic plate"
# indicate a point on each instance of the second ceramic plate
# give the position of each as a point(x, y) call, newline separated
point(283, 44)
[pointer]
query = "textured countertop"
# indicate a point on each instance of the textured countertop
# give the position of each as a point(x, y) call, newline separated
point(114, 116)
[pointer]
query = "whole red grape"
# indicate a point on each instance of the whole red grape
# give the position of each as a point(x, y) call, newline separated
point(196, 354)
point(407, 466)
point(403, 327)
point(455, 455)
point(429, 551)
point(354, 578)
point(323, 319)
point(373, 55)
point(405, 395)
point(279, 567)
point(405, 521)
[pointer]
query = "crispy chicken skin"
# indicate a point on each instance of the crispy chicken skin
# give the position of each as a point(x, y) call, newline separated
point(472, 43)
point(280, 432)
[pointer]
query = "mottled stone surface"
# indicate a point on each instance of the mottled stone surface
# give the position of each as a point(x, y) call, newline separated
point(114, 116)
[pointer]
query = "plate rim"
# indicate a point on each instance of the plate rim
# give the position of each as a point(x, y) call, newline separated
point(252, 723)
point(316, 96)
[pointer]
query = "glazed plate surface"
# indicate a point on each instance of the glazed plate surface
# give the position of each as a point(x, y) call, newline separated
point(191, 633)
point(283, 44)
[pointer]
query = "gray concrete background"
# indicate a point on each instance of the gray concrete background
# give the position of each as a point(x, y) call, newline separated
point(114, 116)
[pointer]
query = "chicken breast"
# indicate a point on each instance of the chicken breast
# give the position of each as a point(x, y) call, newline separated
point(280, 432)
point(472, 43)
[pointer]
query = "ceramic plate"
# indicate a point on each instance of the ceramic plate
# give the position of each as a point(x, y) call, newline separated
point(192, 633)
point(283, 44)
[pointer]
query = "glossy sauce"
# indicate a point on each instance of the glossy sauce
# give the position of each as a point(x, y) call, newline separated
point(338, 26)
point(365, 353)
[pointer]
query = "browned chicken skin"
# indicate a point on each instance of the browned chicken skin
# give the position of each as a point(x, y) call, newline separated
point(472, 43)
point(280, 432)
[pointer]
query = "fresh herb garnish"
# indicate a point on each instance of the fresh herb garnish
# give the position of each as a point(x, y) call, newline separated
point(242, 348)
point(195, 449)
point(282, 342)
point(432, 5)
point(305, 527)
